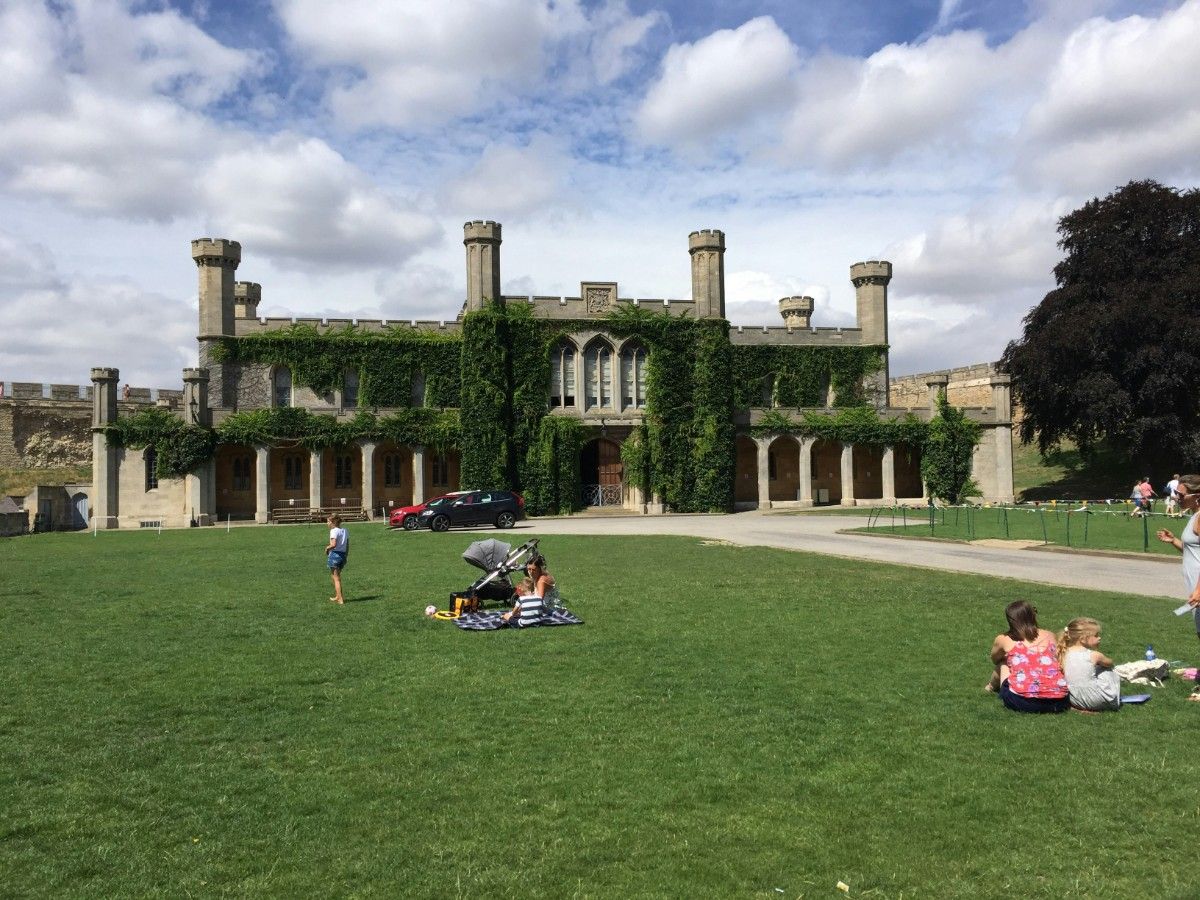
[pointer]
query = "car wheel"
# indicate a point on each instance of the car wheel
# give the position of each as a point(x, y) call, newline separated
point(440, 523)
point(410, 523)
point(505, 520)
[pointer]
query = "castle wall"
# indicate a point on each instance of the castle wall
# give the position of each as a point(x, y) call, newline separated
point(136, 504)
point(968, 386)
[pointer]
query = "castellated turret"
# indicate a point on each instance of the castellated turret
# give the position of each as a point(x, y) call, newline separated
point(217, 259)
point(482, 240)
point(707, 249)
point(870, 281)
point(796, 311)
point(246, 297)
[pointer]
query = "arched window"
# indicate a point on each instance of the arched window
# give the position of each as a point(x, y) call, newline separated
point(151, 458)
point(562, 375)
point(633, 376)
point(418, 389)
point(766, 391)
point(293, 472)
point(391, 470)
point(440, 470)
point(350, 388)
point(598, 376)
point(283, 386)
point(343, 470)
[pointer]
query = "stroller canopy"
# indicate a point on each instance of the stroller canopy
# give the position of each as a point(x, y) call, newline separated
point(487, 555)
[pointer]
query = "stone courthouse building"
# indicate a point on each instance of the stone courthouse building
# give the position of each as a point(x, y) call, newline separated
point(596, 377)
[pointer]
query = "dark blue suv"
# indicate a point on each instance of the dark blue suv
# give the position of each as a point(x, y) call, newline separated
point(500, 508)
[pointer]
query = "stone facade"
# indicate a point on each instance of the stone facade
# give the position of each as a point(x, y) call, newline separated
point(597, 379)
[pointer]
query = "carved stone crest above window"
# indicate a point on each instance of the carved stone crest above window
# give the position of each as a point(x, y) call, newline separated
point(598, 296)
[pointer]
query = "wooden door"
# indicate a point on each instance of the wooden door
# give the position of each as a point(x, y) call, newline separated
point(610, 467)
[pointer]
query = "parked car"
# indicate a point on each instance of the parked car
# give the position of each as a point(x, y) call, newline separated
point(499, 508)
point(408, 517)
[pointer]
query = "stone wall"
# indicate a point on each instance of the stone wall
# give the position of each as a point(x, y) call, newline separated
point(48, 426)
point(968, 386)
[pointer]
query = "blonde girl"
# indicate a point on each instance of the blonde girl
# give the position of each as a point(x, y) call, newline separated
point(1092, 682)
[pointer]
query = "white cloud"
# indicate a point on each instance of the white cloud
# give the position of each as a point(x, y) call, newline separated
point(509, 180)
point(56, 327)
point(422, 62)
point(132, 148)
point(752, 298)
point(720, 83)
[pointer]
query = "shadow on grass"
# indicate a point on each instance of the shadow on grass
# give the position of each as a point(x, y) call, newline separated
point(1066, 474)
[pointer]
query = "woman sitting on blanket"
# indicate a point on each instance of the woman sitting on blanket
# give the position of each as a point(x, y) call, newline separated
point(534, 591)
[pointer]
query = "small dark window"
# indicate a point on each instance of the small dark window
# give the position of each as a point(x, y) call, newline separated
point(350, 388)
point(440, 470)
point(293, 473)
point(151, 469)
point(241, 472)
point(391, 470)
point(418, 389)
point(343, 471)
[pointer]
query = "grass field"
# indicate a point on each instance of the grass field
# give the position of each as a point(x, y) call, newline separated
point(186, 714)
point(1102, 528)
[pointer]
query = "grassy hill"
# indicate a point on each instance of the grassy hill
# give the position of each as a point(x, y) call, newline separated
point(1066, 474)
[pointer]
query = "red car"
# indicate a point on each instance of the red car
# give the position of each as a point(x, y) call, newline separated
point(408, 517)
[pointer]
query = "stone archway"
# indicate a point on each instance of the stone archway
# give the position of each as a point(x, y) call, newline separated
point(745, 485)
point(868, 472)
point(236, 472)
point(908, 471)
point(826, 473)
point(783, 469)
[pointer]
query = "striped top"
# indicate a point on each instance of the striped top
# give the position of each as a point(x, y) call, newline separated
point(529, 610)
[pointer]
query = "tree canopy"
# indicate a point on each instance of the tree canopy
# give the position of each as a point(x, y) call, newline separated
point(1113, 352)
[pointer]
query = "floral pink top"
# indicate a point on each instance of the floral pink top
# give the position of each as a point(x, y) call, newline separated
point(1035, 672)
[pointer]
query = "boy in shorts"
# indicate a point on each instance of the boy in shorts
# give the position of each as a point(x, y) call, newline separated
point(336, 554)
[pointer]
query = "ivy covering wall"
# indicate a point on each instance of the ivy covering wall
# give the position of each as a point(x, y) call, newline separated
point(800, 376)
point(387, 362)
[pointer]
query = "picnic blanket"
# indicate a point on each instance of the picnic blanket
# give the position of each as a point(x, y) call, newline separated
point(491, 621)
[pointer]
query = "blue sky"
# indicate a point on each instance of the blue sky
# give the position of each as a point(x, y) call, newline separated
point(344, 145)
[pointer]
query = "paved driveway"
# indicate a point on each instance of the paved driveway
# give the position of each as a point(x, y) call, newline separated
point(1152, 576)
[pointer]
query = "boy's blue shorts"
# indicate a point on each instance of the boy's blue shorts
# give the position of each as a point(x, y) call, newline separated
point(336, 560)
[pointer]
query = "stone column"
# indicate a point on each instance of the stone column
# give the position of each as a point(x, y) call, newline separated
point(418, 466)
point(889, 475)
point(199, 492)
point(316, 460)
point(368, 478)
point(935, 384)
point(847, 474)
point(764, 472)
point(1002, 402)
point(262, 483)
point(105, 459)
point(805, 493)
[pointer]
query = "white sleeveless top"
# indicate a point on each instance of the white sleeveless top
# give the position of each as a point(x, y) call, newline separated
point(1191, 554)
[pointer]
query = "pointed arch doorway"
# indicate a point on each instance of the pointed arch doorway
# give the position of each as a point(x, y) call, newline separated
point(601, 473)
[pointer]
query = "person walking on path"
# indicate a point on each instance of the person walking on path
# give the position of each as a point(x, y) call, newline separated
point(1172, 496)
point(336, 554)
point(1188, 543)
point(1148, 495)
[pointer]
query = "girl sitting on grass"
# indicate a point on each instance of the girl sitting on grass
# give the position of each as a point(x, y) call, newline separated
point(1028, 676)
point(1093, 684)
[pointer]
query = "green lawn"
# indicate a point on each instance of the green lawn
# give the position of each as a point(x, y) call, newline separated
point(1101, 528)
point(186, 714)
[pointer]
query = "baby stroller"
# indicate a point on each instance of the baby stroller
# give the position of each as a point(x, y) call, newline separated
point(497, 559)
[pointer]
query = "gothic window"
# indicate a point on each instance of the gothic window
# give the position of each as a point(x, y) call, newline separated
point(350, 388)
point(633, 377)
point(418, 389)
point(283, 386)
point(598, 376)
point(343, 470)
point(151, 458)
point(242, 467)
point(391, 470)
point(293, 473)
point(440, 470)
point(767, 391)
point(562, 375)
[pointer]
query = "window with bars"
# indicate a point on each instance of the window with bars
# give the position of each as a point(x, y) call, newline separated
point(243, 466)
point(633, 377)
point(440, 470)
point(151, 458)
point(391, 470)
point(350, 388)
point(562, 376)
point(283, 386)
point(293, 473)
point(343, 471)
point(597, 372)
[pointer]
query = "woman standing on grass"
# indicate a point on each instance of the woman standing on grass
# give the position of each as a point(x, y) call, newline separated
point(1188, 543)
point(336, 553)
point(1030, 678)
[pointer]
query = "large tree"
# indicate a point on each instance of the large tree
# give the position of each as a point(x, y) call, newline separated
point(1113, 353)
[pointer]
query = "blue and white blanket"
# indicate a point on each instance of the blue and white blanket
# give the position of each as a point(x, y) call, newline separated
point(492, 621)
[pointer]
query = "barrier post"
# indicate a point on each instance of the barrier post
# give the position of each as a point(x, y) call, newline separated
point(1042, 516)
point(1145, 533)
point(1068, 528)
point(1006, 521)
point(1086, 516)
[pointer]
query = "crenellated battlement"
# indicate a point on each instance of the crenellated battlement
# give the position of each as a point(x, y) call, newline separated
point(76, 393)
point(874, 271)
point(481, 230)
point(706, 239)
point(325, 324)
point(246, 297)
point(216, 252)
point(797, 311)
point(781, 335)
